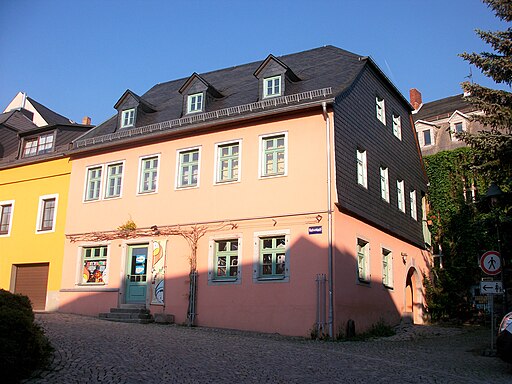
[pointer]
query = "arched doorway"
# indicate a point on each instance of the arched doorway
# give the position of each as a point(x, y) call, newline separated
point(413, 297)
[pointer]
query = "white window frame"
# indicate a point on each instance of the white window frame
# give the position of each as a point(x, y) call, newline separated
point(129, 115)
point(453, 125)
point(81, 265)
point(217, 159)
point(86, 198)
point(384, 183)
point(272, 79)
point(413, 203)
point(139, 175)
point(261, 161)
point(380, 109)
point(362, 168)
point(397, 125)
point(192, 102)
point(400, 192)
point(178, 184)
point(257, 277)
point(40, 213)
point(3, 204)
point(365, 275)
point(38, 147)
point(212, 279)
point(106, 179)
point(387, 267)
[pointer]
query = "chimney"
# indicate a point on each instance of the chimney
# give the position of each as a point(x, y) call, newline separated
point(415, 98)
point(86, 120)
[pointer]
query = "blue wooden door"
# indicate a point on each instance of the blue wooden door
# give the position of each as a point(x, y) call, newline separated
point(136, 279)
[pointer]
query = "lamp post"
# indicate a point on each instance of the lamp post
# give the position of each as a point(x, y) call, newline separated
point(493, 195)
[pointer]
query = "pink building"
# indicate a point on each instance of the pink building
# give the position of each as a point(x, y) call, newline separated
point(291, 188)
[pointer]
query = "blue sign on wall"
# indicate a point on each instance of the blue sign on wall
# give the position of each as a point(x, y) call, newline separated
point(316, 230)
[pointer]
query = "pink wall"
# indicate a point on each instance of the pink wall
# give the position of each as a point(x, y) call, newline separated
point(367, 303)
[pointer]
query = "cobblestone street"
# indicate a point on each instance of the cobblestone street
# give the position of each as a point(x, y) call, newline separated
point(89, 350)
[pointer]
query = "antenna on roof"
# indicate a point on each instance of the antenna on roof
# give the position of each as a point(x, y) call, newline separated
point(470, 76)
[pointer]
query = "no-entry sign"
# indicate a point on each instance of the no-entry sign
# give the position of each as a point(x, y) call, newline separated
point(490, 262)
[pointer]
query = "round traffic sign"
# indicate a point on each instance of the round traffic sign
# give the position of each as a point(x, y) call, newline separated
point(490, 262)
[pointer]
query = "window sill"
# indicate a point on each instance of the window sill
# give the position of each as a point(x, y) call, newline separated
point(272, 278)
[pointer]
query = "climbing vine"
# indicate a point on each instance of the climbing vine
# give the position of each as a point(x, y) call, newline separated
point(461, 230)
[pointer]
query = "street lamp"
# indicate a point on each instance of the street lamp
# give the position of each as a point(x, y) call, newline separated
point(493, 195)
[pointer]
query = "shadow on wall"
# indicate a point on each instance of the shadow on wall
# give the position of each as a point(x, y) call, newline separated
point(291, 304)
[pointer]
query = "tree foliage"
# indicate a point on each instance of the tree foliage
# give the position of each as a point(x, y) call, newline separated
point(493, 148)
point(464, 228)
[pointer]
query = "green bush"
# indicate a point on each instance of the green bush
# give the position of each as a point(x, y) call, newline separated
point(23, 344)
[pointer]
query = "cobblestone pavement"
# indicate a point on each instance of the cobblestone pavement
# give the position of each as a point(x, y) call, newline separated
point(89, 350)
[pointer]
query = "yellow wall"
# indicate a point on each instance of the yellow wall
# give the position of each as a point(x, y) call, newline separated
point(24, 185)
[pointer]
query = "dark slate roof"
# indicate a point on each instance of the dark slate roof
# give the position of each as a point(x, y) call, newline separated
point(443, 108)
point(317, 68)
point(50, 116)
point(16, 120)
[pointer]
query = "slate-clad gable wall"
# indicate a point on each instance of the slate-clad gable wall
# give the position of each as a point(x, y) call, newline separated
point(356, 126)
point(128, 103)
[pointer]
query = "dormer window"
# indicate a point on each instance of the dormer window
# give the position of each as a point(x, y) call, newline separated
point(128, 118)
point(457, 128)
point(38, 145)
point(272, 86)
point(195, 103)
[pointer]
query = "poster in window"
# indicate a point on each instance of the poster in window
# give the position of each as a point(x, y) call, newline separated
point(158, 272)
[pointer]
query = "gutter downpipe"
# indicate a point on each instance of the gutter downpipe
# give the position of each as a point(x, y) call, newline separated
point(329, 220)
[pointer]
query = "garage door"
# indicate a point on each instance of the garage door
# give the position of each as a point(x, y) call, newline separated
point(32, 280)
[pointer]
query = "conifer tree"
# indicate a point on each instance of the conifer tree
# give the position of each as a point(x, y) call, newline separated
point(493, 149)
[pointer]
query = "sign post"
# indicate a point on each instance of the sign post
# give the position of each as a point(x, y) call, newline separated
point(490, 263)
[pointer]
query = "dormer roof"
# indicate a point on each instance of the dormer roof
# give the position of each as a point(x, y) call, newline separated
point(201, 84)
point(127, 95)
point(272, 62)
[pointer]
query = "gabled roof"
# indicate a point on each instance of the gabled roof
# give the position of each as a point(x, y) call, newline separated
point(47, 114)
point(196, 77)
point(139, 99)
point(17, 121)
point(443, 108)
point(286, 69)
point(324, 72)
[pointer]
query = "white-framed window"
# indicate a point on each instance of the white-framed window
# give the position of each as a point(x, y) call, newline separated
point(93, 183)
point(397, 125)
point(425, 136)
point(148, 174)
point(47, 213)
point(363, 260)
point(224, 259)
point(362, 178)
point(400, 195)
point(227, 160)
point(128, 118)
point(6, 214)
point(114, 180)
point(271, 256)
point(195, 103)
point(38, 145)
point(188, 167)
point(457, 127)
point(272, 86)
point(384, 183)
point(414, 208)
point(387, 268)
point(273, 155)
point(94, 260)
point(380, 109)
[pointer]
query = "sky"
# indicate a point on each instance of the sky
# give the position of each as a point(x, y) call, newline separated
point(78, 57)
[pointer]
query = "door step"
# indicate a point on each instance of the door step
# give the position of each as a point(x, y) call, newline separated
point(128, 313)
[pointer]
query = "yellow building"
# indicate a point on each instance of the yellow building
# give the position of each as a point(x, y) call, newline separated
point(34, 183)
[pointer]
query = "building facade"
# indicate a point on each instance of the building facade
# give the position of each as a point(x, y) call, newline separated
point(278, 196)
point(34, 181)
